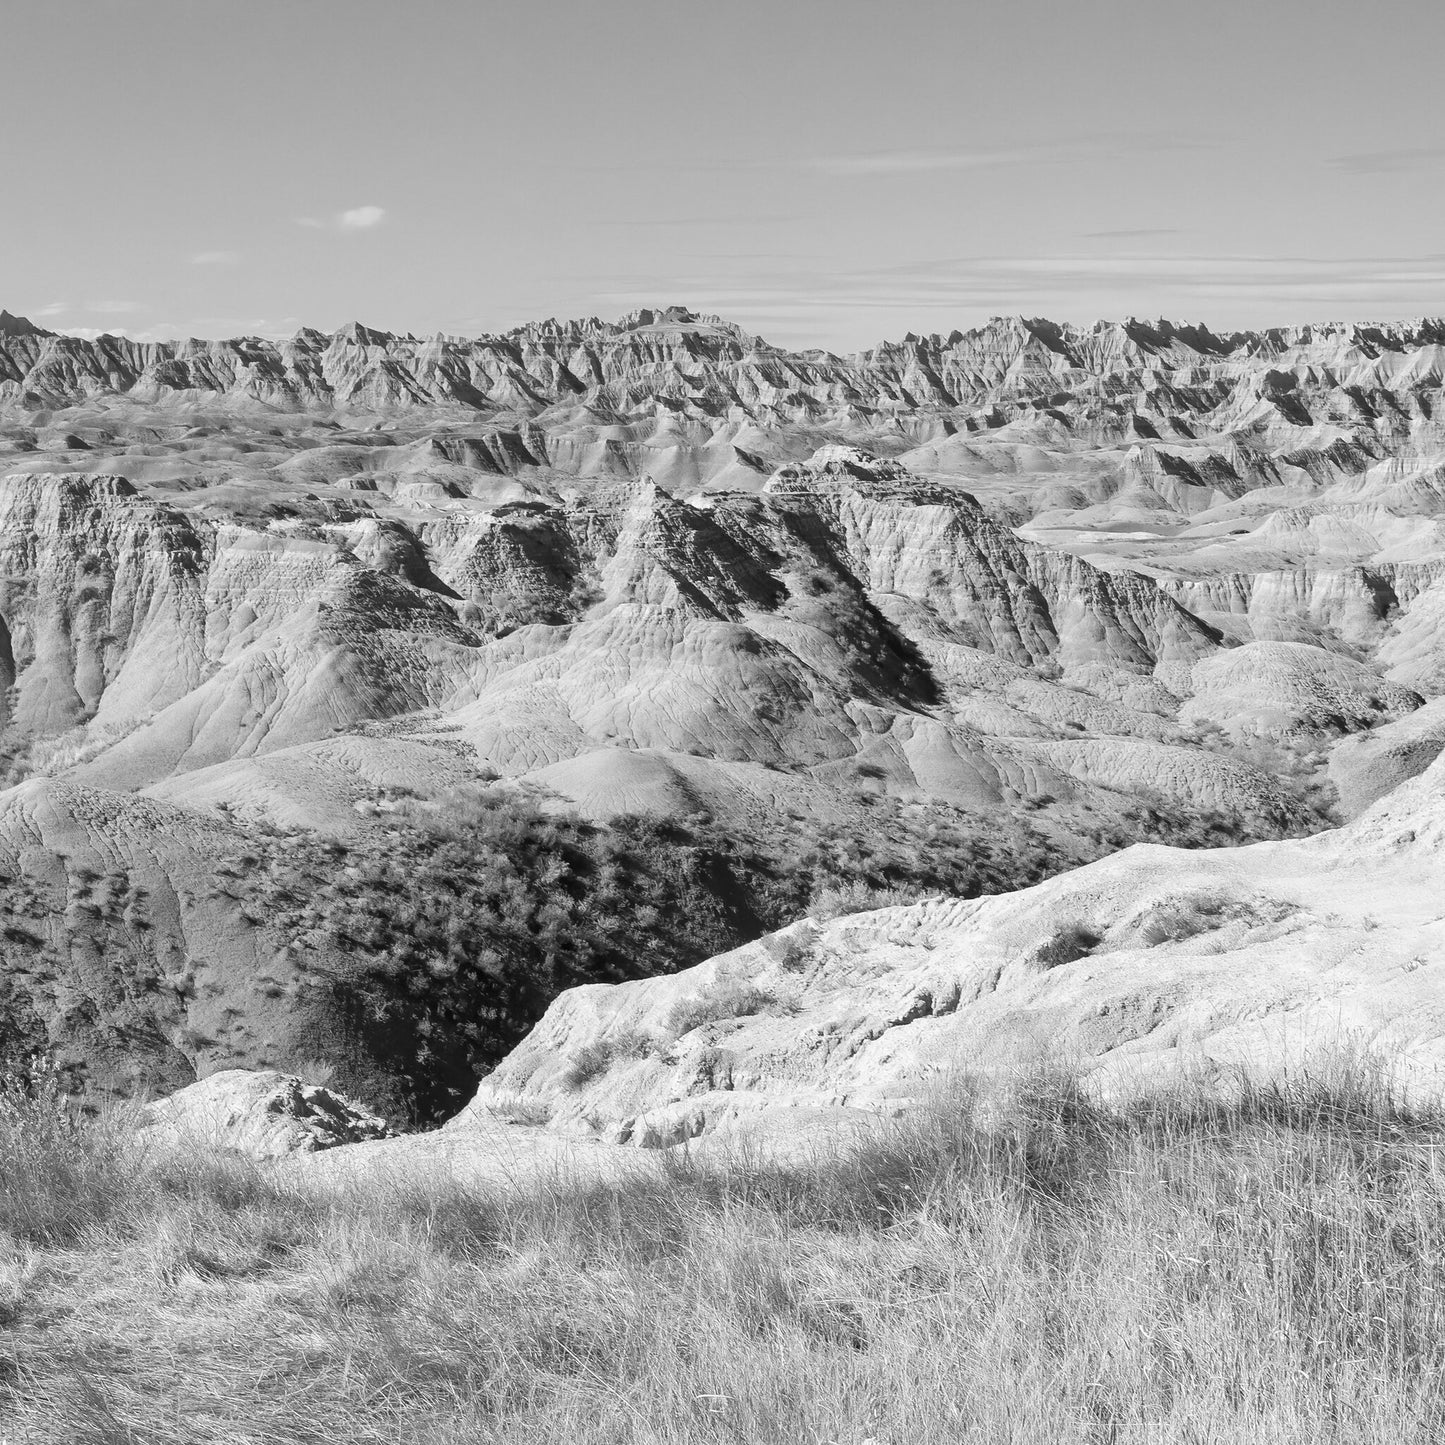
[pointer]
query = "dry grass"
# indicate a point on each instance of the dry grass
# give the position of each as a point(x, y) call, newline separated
point(724, 1000)
point(1265, 1270)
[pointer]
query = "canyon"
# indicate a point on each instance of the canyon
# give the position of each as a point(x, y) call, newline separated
point(285, 627)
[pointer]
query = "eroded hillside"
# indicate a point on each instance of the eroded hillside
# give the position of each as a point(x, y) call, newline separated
point(951, 615)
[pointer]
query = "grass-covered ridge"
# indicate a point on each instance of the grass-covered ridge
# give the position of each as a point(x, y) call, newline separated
point(1268, 1269)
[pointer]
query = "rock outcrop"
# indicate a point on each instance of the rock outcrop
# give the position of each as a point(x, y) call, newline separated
point(264, 1115)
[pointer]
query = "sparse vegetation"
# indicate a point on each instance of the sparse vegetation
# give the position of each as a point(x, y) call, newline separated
point(1184, 919)
point(595, 1058)
point(1298, 764)
point(728, 999)
point(1263, 1267)
point(432, 947)
point(517, 1109)
point(834, 900)
point(1068, 945)
point(427, 946)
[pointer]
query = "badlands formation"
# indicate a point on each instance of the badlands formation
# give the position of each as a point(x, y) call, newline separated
point(954, 614)
point(1152, 967)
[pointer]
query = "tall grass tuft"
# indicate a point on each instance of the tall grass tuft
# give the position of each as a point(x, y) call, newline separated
point(1263, 1262)
point(59, 1172)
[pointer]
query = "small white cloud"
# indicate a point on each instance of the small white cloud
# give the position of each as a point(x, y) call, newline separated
point(215, 258)
point(359, 218)
point(54, 308)
point(362, 218)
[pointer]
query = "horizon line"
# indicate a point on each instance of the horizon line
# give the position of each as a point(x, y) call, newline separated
point(686, 315)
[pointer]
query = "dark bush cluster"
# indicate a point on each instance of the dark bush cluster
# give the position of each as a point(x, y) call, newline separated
point(432, 946)
point(427, 946)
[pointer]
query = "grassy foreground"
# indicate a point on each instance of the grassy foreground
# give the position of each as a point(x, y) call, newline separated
point(1271, 1269)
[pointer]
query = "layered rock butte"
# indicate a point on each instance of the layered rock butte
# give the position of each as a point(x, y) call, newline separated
point(660, 566)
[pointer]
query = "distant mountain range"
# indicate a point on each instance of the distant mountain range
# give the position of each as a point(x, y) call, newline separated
point(677, 356)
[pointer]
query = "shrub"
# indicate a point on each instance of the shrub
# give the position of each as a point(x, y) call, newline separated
point(834, 901)
point(727, 999)
point(520, 1110)
point(315, 1072)
point(590, 1061)
point(595, 1058)
point(1068, 944)
point(1184, 918)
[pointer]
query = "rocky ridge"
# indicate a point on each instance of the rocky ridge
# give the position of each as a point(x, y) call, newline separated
point(253, 591)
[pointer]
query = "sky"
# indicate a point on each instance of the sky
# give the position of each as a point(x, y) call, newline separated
point(823, 172)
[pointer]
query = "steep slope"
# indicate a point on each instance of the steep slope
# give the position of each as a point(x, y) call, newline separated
point(1129, 969)
point(1367, 766)
point(838, 619)
point(123, 952)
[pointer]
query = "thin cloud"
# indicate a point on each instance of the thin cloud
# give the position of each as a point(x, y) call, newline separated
point(1075, 151)
point(1379, 163)
point(988, 278)
point(221, 327)
point(358, 218)
point(271, 328)
point(1226, 290)
point(361, 218)
point(53, 308)
point(701, 223)
point(892, 163)
point(215, 258)
point(1129, 235)
point(162, 331)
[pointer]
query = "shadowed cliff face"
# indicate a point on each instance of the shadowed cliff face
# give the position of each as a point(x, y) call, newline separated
point(1117, 583)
